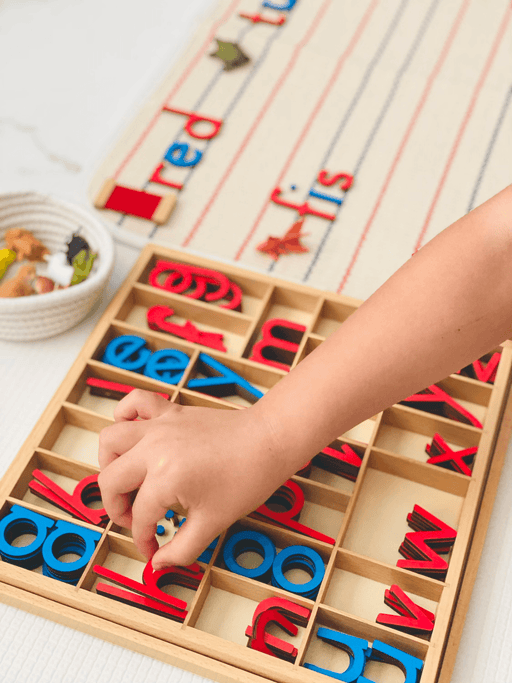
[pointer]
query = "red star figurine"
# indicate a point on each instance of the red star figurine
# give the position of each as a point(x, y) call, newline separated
point(289, 244)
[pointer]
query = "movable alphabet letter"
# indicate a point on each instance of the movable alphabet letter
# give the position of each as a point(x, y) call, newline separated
point(193, 119)
point(18, 522)
point(413, 619)
point(279, 344)
point(409, 665)
point(257, 18)
point(77, 503)
point(127, 352)
point(250, 541)
point(443, 456)
point(52, 541)
point(356, 648)
point(149, 595)
point(431, 536)
point(327, 197)
point(282, 612)
point(324, 179)
point(167, 365)
point(285, 6)
point(177, 155)
point(156, 177)
point(344, 462)
point(196, 283)
point(222, 381)
point(67, 538)
point(291, 496)
point(114, 390)
point(299, 557)
point(157, 320)
point(484, 373)
point(435, 400)
point(303, 209)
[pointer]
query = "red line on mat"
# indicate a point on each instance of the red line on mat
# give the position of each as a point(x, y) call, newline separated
point(257, 121)
point(464, 123)
point(357, 34)
point(421, 103)
point(194, 61)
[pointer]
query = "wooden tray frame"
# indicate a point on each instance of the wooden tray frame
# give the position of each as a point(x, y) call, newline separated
point(207, 654)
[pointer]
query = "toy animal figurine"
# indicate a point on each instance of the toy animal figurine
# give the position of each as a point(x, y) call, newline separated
point(75, 245)
point(7, 256)
point(82, 265)
point(20, 285)
point(25, 245)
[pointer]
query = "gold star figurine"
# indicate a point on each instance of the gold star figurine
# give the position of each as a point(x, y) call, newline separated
point(231, 54)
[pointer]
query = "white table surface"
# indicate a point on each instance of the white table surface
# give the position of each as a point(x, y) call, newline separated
point(71, 75)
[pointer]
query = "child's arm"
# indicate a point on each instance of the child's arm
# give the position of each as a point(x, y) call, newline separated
point(448, 305)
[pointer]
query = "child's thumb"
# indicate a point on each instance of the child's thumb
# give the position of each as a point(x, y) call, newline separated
point(187, 544)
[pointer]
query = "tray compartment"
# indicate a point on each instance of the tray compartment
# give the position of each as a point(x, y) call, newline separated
point(204, 316)
point(81, 394)
point(357, 586)
point(253, 288)
point(74, 433)
point(378, 523)
point(332, 315)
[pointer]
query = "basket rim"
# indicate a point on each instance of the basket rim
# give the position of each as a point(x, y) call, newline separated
point(86, 288)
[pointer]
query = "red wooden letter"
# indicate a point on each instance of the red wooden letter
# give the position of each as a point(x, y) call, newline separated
point(324, 179)
point(157, 178)
point(115, 390)
point(485, 373)
point(414, 619)
point(442, 455)
point(279, 343)
point(86, 491)
point(435, 400)
point(289, 494)
point(194, 119)
point(157, 320)
point(282, 612)
point(421, 548)
point(345, 462)
point(257, 18)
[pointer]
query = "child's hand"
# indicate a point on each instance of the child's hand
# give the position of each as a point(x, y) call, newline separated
point(217, 465)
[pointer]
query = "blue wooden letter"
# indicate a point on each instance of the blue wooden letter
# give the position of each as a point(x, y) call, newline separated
point(18, 522)
point(250, 541)
point(289, 4)
point(222, 381)
point(299, 557)
point(167, 365)
point(382, 652)
point(356, 648)
point(68, 538)
point(177, 155)
point(127, 352)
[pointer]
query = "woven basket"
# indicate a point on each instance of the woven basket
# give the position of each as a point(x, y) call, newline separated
point(53, 222)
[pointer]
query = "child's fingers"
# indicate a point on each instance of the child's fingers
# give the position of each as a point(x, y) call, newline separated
point(117, 482)
point(116, 440)
point(146, 512)
point(140, 403)
point(187, 544)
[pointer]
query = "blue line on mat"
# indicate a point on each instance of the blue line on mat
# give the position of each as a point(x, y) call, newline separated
point(391, 95)
point(255, 67)
point(490, 148)
point(360, 90)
